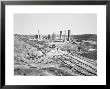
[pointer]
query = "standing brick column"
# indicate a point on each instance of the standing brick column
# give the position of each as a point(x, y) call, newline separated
point(69, 35)
point(60, 34)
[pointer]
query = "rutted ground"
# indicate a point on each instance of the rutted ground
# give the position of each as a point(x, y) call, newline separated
point(32, 58)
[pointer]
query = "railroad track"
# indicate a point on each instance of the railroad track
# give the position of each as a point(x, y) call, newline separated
point(79, 65)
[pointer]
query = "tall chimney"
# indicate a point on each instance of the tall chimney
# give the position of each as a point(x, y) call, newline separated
point(68, 35)
point(38, 34)
point(60, 34)
point(65, 36)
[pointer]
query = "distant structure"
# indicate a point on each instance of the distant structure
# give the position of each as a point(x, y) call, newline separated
point(53, 36)
point(68, 35)
point(61, 37)
point(38, 34)
point(60, 34)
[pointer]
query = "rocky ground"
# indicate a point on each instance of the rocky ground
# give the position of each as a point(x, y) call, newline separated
point(35, 58)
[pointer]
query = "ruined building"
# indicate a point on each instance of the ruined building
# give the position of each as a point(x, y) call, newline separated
point(68, 39)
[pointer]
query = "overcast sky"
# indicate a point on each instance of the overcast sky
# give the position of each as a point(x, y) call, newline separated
point(54, 22)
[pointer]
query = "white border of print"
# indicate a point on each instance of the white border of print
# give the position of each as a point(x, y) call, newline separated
point(100, 79)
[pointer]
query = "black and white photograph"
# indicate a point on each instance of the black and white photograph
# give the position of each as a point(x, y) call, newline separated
point(55, 44)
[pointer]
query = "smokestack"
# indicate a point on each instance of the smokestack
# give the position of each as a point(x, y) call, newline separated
point(65, 36)
point(38, 34)
point(60, 34)
point(68, 35)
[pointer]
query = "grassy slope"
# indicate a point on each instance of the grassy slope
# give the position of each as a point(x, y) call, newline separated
point(92, 37)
